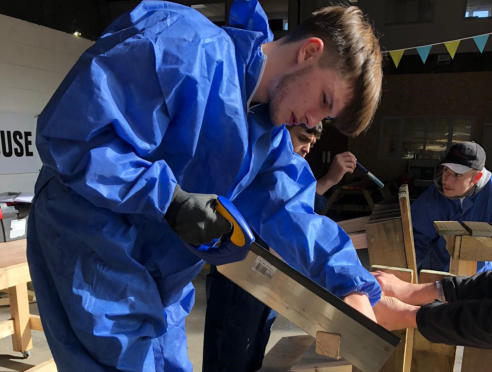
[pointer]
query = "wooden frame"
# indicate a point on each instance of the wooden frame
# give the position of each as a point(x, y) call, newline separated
point(467, 243)
point(364, 343)
point(14, 275)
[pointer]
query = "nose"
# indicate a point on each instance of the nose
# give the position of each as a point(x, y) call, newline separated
point(313, 117)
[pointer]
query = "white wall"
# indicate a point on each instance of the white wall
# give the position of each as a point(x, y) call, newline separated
point(33, 62)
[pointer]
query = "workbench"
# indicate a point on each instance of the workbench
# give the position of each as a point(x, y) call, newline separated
point(14, 276)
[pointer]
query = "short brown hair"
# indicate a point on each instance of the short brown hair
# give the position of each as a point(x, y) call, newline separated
point(316, 131)
point(347, 32)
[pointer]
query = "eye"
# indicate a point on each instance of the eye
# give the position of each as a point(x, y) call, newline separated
point(324, 99)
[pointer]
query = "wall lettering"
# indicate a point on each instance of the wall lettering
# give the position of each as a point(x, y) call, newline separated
point(16, 143)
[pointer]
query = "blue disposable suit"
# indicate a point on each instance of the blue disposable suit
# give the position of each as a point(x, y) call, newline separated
point(430, 206)
point(162, 99)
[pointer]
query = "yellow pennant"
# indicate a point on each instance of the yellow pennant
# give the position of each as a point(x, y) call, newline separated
point(451, 47)
point(396, 56)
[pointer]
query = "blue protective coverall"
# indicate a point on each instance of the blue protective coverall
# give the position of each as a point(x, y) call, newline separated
point(430, 206)
point(162, 99)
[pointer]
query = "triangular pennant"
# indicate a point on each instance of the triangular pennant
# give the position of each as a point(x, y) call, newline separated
point(396, 56)
point(451, 47)
point(424, 52)
point(480, 41)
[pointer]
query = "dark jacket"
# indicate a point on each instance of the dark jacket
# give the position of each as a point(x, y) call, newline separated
point(466, 318)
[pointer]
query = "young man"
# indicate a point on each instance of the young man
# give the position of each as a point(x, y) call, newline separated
point(462, 191)
point(237, 325)
point(152, 122)
point(463, 320)
point(303, 139)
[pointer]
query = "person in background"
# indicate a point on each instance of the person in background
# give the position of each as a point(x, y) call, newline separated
point(454, 310)
point(163, 113)
point(237, 325)
point(462, 191)
point(303, 139)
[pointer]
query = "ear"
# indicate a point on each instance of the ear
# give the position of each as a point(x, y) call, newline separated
point(310, 49)
point(477, 177)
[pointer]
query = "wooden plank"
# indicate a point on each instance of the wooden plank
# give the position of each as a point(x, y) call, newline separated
point(476, 359)
point(406, 223)
point(359, 240)
point(398, 360)
point(427, 276)
point(13, 275)
point(450, 228)
point(428, 356)
point(385, 243)
point(35, 323)
point(16, 250)
point(286, 353)
point(408, 351)
point(453, 245)
point(400, 272)
point(328, 344)
point(364, 343)
point(297, 353)
point(6, 328)
point(312, 362)
point(431, 357)
point(19, 310)
point(383, 215)
point(476, 248)
point(354, 224)
point(462, 267)
point(401, 360)
point(476, 228)
point(48, 366)
point(13, 264)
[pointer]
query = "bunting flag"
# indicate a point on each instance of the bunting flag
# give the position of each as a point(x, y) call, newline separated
point(480, 41)
point(451, 47)
point(424, 52)
point(396, 56)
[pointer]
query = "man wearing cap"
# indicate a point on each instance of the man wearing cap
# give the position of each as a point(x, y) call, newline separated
point(462, 191)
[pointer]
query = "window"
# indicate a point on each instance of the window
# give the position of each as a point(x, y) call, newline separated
point(420, 137)
point(409, 11)
point(276, 10)
point(478, 9)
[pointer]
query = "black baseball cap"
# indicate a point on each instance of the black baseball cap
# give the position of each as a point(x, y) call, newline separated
point(464, 156)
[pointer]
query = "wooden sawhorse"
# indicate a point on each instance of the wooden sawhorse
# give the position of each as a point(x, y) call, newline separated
point(14, 275)
point(467, 243)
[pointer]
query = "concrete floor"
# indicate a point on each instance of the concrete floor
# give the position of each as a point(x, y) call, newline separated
point(13, 361)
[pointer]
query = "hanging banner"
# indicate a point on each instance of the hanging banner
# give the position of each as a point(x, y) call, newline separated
point(396, 56)
point(451, 47)
point(18, 152)
point(480, 41)
point(424, 52)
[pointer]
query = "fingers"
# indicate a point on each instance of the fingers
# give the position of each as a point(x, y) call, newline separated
point(346, 161)
point(224, 226)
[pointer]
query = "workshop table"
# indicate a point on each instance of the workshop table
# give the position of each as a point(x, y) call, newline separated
point(14, 276)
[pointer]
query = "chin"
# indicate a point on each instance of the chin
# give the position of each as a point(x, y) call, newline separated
point(276, 122)
point(449, 194)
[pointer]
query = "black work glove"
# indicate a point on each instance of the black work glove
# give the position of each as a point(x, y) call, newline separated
point(193, 217)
